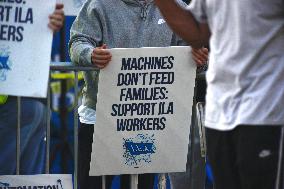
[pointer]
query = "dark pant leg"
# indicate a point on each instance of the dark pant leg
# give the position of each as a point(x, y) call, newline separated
point(146, 181)
point(109, 179)
point(222, 158)
point(84, 159)
point(33, 126)
point(124, 181)
point(257, 155)
point(33, 144)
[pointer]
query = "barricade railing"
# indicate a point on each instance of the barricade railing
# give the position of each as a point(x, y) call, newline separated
point(68, 66)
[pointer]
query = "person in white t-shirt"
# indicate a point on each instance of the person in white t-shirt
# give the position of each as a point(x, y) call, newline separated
point(245, 94)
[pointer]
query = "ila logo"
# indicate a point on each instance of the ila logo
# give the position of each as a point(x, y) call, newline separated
point(5, 63)
point(138, 150)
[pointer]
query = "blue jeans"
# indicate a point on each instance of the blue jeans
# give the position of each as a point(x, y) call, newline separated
point(33, 124)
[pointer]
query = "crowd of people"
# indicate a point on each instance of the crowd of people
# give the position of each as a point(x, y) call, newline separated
point(245, 78)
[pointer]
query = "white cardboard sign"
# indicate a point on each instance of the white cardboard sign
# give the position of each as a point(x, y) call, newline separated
point(144, 112)
point(25, 47)
point(36, 181)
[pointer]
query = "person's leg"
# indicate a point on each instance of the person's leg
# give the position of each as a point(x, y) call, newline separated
point(109, 179)
point(32, 136)
point(222, 158)
point(33, 133)
point(258, 155)
point(182, 180)
point(125, 181)
point(84, 158)
point(146, 181)
point(8, 125)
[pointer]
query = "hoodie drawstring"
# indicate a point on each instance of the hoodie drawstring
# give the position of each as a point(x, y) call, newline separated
point(144, 12)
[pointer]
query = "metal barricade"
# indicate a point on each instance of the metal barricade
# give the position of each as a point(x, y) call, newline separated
point(62, 66)
point(68, 66)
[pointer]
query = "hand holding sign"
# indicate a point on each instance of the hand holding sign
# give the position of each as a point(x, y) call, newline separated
point(200, 56)
point(56, 19)
point(101, 56)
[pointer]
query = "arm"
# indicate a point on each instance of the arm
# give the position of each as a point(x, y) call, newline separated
point(86, 42)
point(56, 19)
point(183, 23)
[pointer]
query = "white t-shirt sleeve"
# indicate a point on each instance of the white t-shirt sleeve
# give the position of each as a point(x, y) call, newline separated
point(198, 9)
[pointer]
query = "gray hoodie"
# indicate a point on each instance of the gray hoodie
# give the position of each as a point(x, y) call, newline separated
point(119, 24)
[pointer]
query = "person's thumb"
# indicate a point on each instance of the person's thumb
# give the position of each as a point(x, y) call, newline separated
point(59, 6)
point(104, 46)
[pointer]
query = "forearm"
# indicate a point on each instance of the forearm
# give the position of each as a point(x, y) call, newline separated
point(86, 35)
point(80, 52)
point(183, 23)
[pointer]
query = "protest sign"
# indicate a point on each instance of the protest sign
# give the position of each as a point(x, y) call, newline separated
point(144, 112)
point(36, 181)
point(25, 47)
point(72, 7)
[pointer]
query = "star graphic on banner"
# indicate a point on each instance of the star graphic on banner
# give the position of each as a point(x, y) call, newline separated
point(4, 62)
